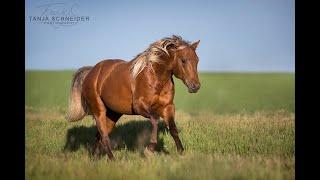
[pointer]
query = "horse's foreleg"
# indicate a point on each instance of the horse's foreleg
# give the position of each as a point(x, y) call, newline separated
point(174, 133)
point(168, 117)
point(154, 134)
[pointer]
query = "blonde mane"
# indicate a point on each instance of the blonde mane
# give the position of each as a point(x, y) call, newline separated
point(154, 52)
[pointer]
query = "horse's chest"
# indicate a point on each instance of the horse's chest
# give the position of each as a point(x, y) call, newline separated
point(153, 101)
point(165, 97)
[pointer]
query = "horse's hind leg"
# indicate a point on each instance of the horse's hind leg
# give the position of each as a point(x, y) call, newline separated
point(105, 121)
point(98, 148)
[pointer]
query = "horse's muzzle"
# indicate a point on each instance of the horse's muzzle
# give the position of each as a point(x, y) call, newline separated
point(193, 87)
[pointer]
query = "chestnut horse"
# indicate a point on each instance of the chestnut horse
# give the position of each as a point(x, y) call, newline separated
point(143, 86)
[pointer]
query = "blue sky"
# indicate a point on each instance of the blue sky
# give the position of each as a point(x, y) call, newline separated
point(239, 35)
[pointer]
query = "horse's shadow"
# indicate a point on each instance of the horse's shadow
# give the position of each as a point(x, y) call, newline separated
point(133, 136)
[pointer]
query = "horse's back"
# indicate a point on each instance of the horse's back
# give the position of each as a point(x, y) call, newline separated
point(94, 77)
point(105, 68)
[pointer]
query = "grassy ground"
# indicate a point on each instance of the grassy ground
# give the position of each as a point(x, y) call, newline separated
point(239, 126)
point(219, 93)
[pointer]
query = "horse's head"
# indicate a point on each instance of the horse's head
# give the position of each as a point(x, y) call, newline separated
point(185, 62)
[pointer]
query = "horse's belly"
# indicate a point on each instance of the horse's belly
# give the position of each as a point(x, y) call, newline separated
point(117, 103)
point(116, 91)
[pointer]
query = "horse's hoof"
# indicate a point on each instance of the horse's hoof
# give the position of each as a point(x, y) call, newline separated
point(163, 151)
point(147, 152)
point(181, 152)
point(111, 159)
point(96, 157)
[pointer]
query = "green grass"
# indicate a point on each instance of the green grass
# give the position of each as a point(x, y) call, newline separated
point(238, 92)
point(219, 93)
point(239, 126)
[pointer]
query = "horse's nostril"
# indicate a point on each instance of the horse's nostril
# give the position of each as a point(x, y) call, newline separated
point(195, 86)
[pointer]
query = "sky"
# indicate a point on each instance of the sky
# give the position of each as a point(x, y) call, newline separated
point(236, 36)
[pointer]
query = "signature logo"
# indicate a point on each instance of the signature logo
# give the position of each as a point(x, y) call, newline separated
point(59, 14)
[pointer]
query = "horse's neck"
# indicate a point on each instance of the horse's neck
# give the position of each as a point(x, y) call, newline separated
point(161, 73)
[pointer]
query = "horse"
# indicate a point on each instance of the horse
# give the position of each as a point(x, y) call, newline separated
point(143, 86)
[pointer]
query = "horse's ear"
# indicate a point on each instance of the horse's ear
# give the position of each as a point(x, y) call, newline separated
point(195, 44)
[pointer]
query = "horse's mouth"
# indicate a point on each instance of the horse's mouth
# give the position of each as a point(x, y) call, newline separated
point(191, 90)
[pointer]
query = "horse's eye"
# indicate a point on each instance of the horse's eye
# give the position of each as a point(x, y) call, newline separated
point(183, 60)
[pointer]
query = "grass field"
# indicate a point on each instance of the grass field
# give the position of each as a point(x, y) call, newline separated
point(239, 126)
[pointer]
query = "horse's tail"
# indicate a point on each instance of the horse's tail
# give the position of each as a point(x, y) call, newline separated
point(77, 108)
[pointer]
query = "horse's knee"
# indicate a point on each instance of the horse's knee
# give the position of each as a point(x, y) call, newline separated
point(167, 114)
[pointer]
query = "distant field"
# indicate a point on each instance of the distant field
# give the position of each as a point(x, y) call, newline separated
point(239, 126)
point(219, 93)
